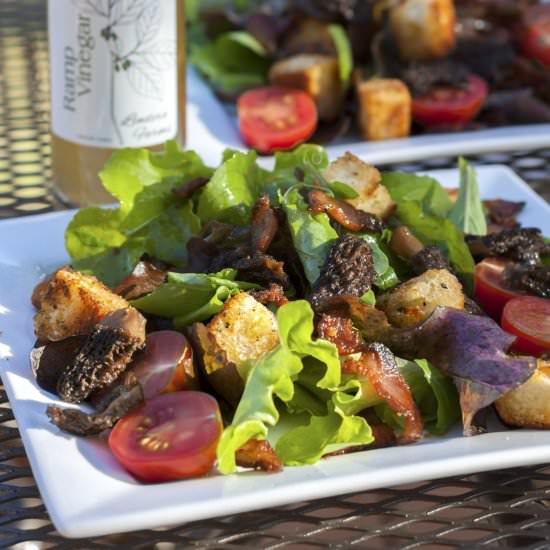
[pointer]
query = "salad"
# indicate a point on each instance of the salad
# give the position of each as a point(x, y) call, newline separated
point(301, 69)
point(241, 317)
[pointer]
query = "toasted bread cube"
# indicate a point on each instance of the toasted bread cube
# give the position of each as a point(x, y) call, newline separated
point(365, 180)
point(528, 405)
point(243, 330)
point(70, 303)
point(385, 109)
point(423, 29)
point(309, 36)
point(414, 300)
point(317, 75)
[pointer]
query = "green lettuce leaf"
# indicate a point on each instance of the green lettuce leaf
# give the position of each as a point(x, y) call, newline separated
point(468, 213)
point(312, 234)
point(235, 61)
point(343, 51)
point(322, 434)
point(441, 232)
point(434, 393)
point(273, 376)
point(386, 276)
point(190, 297)
point(232, 190)
point(109, 242)
point(426, 191)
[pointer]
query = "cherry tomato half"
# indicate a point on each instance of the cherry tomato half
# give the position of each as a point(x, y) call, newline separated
point(490, 289)
point(166, 364)
point(172, 436)
point(446, 105)
point(528, 318)
point(534, 35)
point(274, 118)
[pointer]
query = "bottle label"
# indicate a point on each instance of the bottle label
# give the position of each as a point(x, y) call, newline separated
point(113, 71)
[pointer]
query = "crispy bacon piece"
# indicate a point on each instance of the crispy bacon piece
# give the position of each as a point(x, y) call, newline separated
point(378, 365)
point(502, 214)
point(186, 190)
point(145, 278)
point(272, 295)
point(264, 224)
point(339, 330)
point(259, 455)
point(371, 322)
point(343, 213)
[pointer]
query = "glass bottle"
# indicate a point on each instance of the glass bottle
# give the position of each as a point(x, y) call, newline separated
point(117, 71)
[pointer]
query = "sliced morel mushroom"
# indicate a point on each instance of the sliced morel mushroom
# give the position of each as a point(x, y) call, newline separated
point(348, 270)
point(104, 356)
point(126, 397)
point(524, 245)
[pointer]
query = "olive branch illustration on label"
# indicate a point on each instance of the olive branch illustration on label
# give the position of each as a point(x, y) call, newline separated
point(142, 62)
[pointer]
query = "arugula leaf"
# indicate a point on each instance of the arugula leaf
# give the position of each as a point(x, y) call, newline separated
point(343, 51)
point(190, 297)
point(468, 213)
point(232, 190)
point(343, 190)
point(312, 234)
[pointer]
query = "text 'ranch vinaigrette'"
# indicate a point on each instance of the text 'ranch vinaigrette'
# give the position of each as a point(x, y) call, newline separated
point(117, 80)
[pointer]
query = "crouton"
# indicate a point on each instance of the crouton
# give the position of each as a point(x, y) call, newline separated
point(243, 330)
point(528, 406)
point(70, 303)
point(365, 180)
point(318, 75)
point(385, 108)
point(414, 300)
point(423, 29)
point(309, 36)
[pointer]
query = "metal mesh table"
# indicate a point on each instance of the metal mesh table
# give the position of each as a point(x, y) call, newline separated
point(502, 509)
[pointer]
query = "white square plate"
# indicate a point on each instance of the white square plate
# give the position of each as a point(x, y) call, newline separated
point(87, 493)
point(214, 128)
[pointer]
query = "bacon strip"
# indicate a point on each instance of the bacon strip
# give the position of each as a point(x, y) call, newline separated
point(273, 295)
point(259, 455)
point(264, 224)
point(343, 213)
point(339, 330)
point(378, 364)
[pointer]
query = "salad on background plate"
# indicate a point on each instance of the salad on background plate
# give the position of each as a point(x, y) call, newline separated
point(374, 70)
point(240, 317)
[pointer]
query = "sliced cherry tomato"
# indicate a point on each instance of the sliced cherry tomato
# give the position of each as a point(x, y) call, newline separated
point(490, 289)
point(166, 365)
point(446, 105)
point(528, 318)
point(172, 436)
point(274, 118)
point(534, 35)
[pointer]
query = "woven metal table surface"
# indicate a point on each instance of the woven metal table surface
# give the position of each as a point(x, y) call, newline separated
point(502, 509)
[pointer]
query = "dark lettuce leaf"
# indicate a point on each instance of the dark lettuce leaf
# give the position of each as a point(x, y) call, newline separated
point(471, 349)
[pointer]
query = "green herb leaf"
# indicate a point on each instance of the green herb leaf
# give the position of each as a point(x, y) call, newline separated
point(343, 190)
point(191, 297)
point(343, 50)
point(312, 235)
point(422, 189)
point(468, 213)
